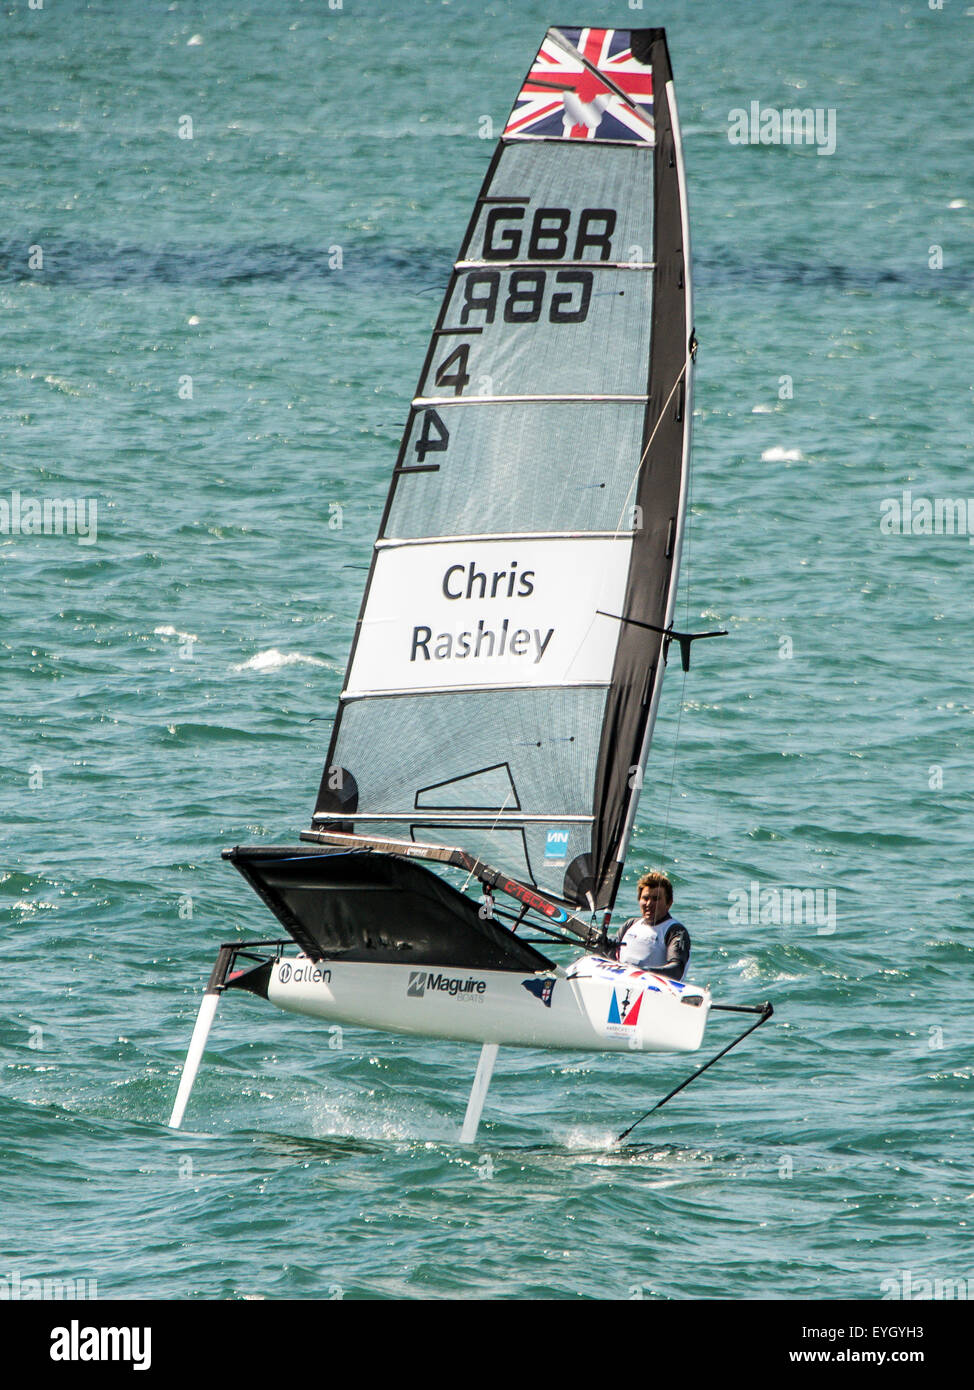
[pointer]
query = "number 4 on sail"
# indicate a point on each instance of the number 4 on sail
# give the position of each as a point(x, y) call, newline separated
point(506, 667)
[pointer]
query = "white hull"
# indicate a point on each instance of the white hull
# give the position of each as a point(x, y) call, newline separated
point(594, 1006)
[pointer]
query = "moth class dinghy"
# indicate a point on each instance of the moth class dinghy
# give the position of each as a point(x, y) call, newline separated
point(507, 663)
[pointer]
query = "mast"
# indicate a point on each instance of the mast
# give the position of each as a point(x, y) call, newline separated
point(673, 265)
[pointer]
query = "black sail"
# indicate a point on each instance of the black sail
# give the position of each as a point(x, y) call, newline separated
point(502, 684)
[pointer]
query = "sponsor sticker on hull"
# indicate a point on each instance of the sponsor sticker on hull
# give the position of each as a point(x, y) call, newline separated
point(303, 974)
point(624, 1006)
point(423, 982)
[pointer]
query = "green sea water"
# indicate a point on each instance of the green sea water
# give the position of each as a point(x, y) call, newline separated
point(215, 339)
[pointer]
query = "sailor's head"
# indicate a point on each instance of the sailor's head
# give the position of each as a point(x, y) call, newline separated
point(655, 896)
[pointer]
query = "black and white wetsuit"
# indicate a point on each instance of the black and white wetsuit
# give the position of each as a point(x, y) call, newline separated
point(663, 948)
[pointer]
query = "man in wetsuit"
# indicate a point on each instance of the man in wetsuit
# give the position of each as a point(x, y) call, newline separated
point(655, 941)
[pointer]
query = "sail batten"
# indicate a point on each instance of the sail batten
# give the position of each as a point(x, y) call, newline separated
point(564, 265)
point(460, 817)
point(388, 544)
point(556, 139)
point(387, 693)
point(493, 695)
point(588, 399)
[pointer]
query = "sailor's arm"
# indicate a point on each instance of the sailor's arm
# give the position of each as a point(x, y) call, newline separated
point(614, 943)
point(677, 953)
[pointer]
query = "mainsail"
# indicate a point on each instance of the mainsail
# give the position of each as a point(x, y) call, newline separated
point(507, 661)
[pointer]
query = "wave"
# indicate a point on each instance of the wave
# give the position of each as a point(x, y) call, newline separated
point(273, 660)
point(777, 454)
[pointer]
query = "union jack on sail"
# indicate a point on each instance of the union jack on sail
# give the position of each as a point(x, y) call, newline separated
point(563, 96)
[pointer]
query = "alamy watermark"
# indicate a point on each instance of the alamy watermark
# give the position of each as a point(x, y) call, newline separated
point(49, 516)
point(77, 1343)
point(16, 1287)
point(772, 906)
point(791, 126)
point(907, 515)
point(905, 1284)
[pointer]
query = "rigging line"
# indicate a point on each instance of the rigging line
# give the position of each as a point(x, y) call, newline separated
point(489, 832)
point(683, 689)
point(669, 798)
point(649, 443)
point(518, 920)
point(688, 523)
point(717, 761)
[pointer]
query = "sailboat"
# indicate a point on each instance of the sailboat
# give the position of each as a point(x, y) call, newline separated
point(507, 663)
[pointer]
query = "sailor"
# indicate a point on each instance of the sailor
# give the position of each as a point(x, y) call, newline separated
point(655, 941)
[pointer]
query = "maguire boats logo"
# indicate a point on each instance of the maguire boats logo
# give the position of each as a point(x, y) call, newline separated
point(422, 980)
